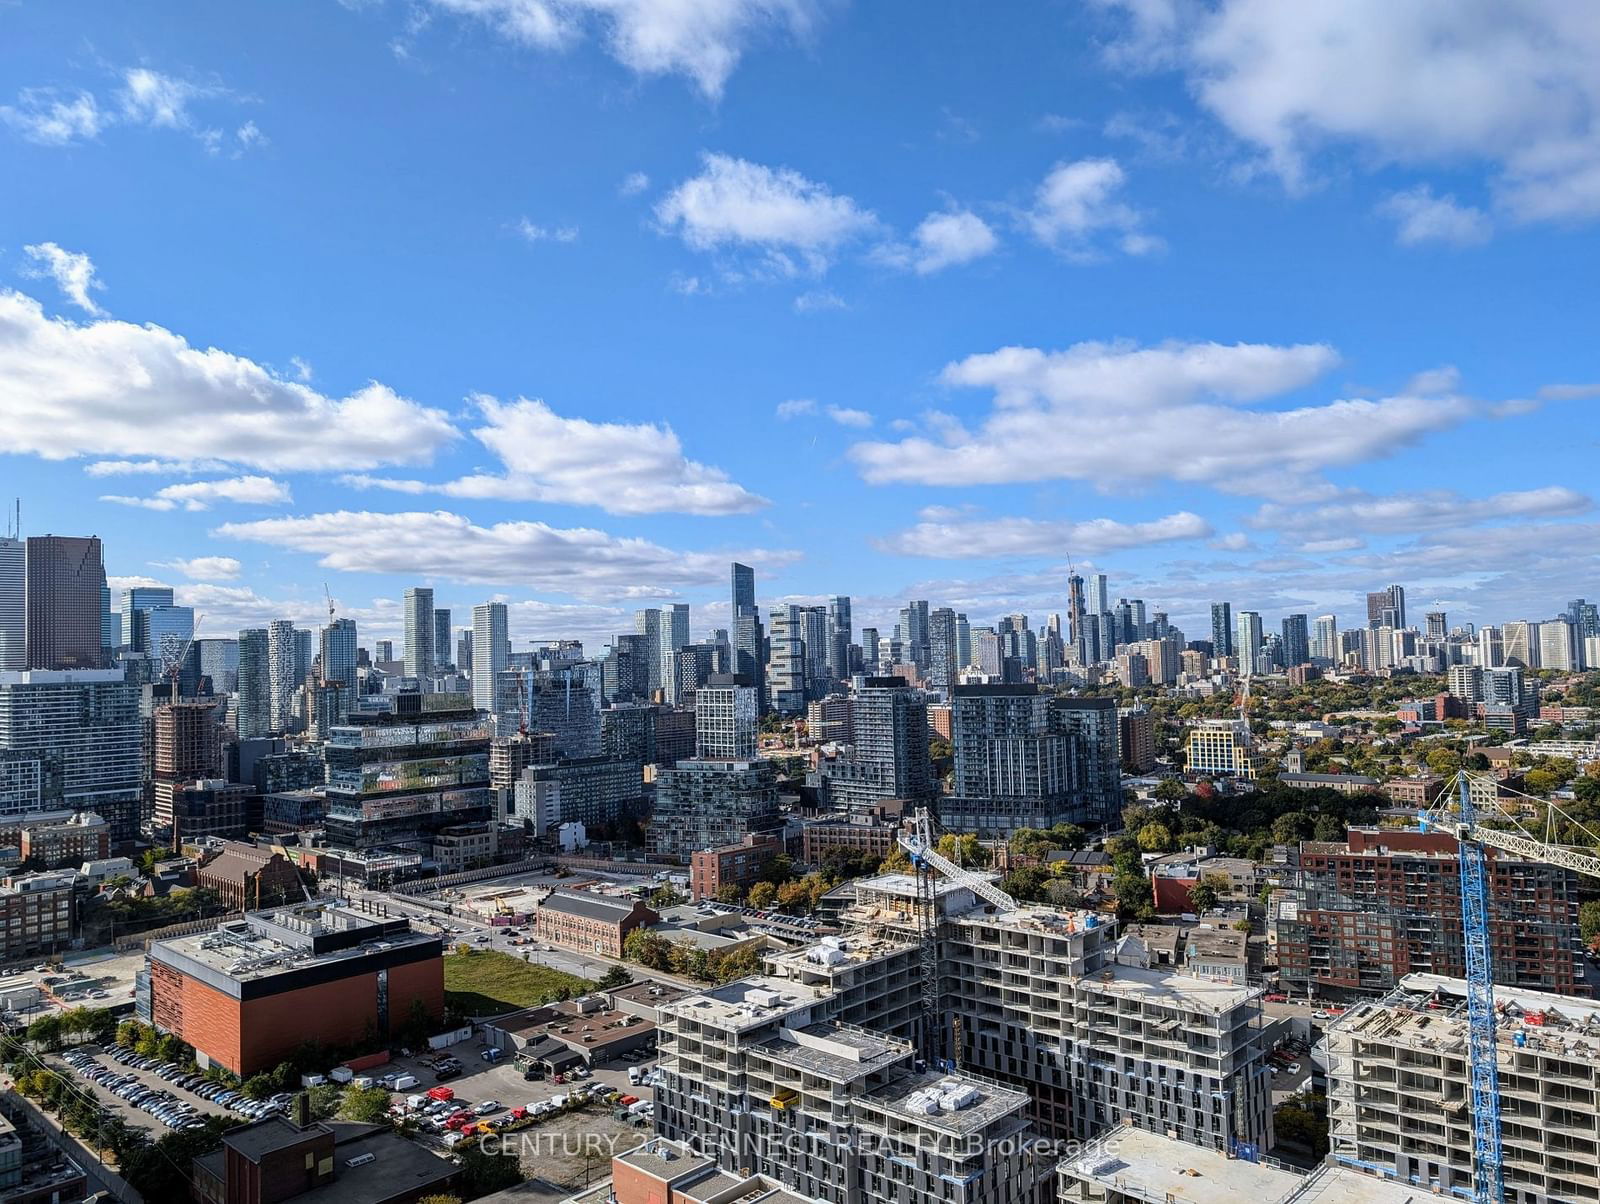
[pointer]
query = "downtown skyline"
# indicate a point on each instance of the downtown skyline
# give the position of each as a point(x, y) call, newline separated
point(581, 325)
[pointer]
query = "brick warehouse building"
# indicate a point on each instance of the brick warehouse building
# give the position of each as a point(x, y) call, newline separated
point(1365, 912)
point(248, 993)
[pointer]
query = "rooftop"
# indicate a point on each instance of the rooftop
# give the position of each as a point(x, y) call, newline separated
point(588, 904)
point(268, 943)
point(1163, 987)
point(836, 1053)
point(1334, 1184)
point(906, 1095)
point(667, 1159)
point(746, 1003)
point(1149, 1166)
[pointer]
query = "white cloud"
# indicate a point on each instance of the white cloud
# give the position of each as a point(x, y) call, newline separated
point(805, 407)
point(249, 134)
point(1405, 512)
point(579, 561)
point(109, 388)
point(205, 568)
point(1067, 415)
point(1420, 217)
point(151, 468)
point(633, 183)
point(623, 468)
point(150, 98)
point(974, 538)
point(701, 39)
point(940, 241)
point(818, 300)
point(52, 118)
point(536, 233)
point(1510, 85)
point(199, 495)
point(795, 223)
point(1079, 206)
point(73, 272)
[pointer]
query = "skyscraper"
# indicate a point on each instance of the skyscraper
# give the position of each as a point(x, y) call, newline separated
point(746, 632)
point(674, 636)
point(282, 656)
point(253, 716)
point(725, 719)
point(1392, 600)
point(489, 644)
point(1099, 598)
point(13, 611)
point(136, 602)
point(165, 631)
point(744, 589)
point(840, 628)
point(419, 631)
point(1221, 629)
point(1326, 643)
point(443, 644)
point(1075, 610)
point(338, 653)
point(786, 670)
point(914, 634)
point(1438, 628)
point(1296, 641)
point(1247, 640)
point(218, 659)
point(943, 663)
point(63, 602)
point(110, 622)
point(648, 623)
point(889, 753)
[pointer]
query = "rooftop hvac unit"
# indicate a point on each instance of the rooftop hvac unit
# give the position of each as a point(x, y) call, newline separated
point(360, 1160)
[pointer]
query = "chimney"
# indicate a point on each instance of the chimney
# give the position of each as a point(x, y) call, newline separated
point(302, 1110)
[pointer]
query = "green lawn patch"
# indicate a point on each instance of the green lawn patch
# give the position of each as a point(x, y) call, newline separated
point(484, 982)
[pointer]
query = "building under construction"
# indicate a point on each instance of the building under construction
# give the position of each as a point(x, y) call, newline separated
point(1399, 1097)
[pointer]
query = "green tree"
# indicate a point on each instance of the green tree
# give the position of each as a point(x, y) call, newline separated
point(1293, 827)
point(1171, 790)
point(649, 949)
point(1589, 921)
point(367, 1105)
point(965, 850)
point(729, 894)
point(665, 896)
point(483, 1173)
point(258, 1086)
point(762, 895)
point(617, 976)
point(1155, 838)
point(46, 1031)
point(1027, 883)
point(1202, 897)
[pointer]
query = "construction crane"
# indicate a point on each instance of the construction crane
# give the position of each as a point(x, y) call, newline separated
point(1488, 1178)
point(926, 860)
point(328, 594)
point(175, 670)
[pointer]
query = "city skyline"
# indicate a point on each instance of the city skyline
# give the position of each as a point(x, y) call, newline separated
point(1091, 311)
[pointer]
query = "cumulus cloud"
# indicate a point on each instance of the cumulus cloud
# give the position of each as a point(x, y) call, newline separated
point(532, 232)
point(1079, 208)
point(940, 241)
point(199, 495)
point(205, 568)
point(1420, 217)
point(1067, 414)
point(579, 561)
point(621, 467)
point(1510, 85)
point(113, 389)
point(1405, 512)
point(73, 272)
point(974, 538)
point(793, 224)
point(703, 40)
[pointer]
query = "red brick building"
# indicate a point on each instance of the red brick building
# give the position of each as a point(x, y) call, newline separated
point(1384, 904)
point(590, 922)
point(247, 994)
point(732, 865)
point(248, 877)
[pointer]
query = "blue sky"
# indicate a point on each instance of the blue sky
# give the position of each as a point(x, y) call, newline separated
point(570, 303)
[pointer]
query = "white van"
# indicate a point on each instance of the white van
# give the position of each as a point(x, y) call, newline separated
point(416, 1103)
point(405, 1082)
point(635, 1075)
point(341, 1074)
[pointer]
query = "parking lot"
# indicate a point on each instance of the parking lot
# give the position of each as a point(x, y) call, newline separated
point(176, 1105)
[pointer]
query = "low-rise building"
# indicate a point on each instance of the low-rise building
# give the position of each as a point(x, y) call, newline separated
point(576, 1032)
point(37, 914)
point(1419, 791)
point(84, 836)
point(250, 877)
point(737, 865)
point(591, 922)
point(1223, 747)
point(250, 992)
point(1344, 783)
point(873, 836)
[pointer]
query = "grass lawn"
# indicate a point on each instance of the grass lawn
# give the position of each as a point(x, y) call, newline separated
point(484, 982)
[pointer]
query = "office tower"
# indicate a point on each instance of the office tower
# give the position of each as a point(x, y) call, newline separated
point(13, 611)
point(87, 722)
point(165, 631)
point(1438, 627)
point(1392, 599)
point(674, 637)
point(253, 710)
point(489, 644)
point(1247, 640)
point(62, 600)
point(1296, 647)
point(383, 651)
point(1558, 645)
point(647, 623)
point(1520, 642)
point(744, 589)
point(282, 654)
point(840, 628)
point(443, 639)
point(786, 666)
point(1029, 760)
point(1221, 629)
point(943, 663)
point(889, 749)
point(110, 622)
point(419, 632)
point(870, 653)
point(1075, 611)
point(914, 634)
point(815, 635)
point(1325, 645)
point(725, 719)
point(338, 656)
point(1099, 598)
point(1585, 616)
point(464, 651)
point(136, 601)
point(218, 659)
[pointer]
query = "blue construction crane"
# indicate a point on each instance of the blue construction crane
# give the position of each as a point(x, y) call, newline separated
point(1488, 1180)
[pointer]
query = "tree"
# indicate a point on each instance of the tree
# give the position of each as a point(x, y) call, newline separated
point(649, 949)
point(964, 850)
point(1171, 790)
point(1155, 838)
point(259, 1086)
point(1329, 828)
point(46, 1031)
point(614, 977)
point(665, 896)
point(1446, 761)
point(1292, 827)
point(483, 1173)
point(1589, 921)
point(1134, 897)
point(729, 894)
point(367, 1105)
point(1027, 883)
point(762, 894)
point(1202, 897)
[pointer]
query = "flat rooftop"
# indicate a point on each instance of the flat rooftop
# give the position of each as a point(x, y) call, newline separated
point(1151, 1166)
point(666, 1159)
point(1169, 987)
point(993, 1103)
point(266, 944)
point(1334, 1184)
point(838, 1054)
point(855, 949)
point(746, 1003)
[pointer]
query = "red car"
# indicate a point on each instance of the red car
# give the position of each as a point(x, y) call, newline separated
point(1276, 998)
